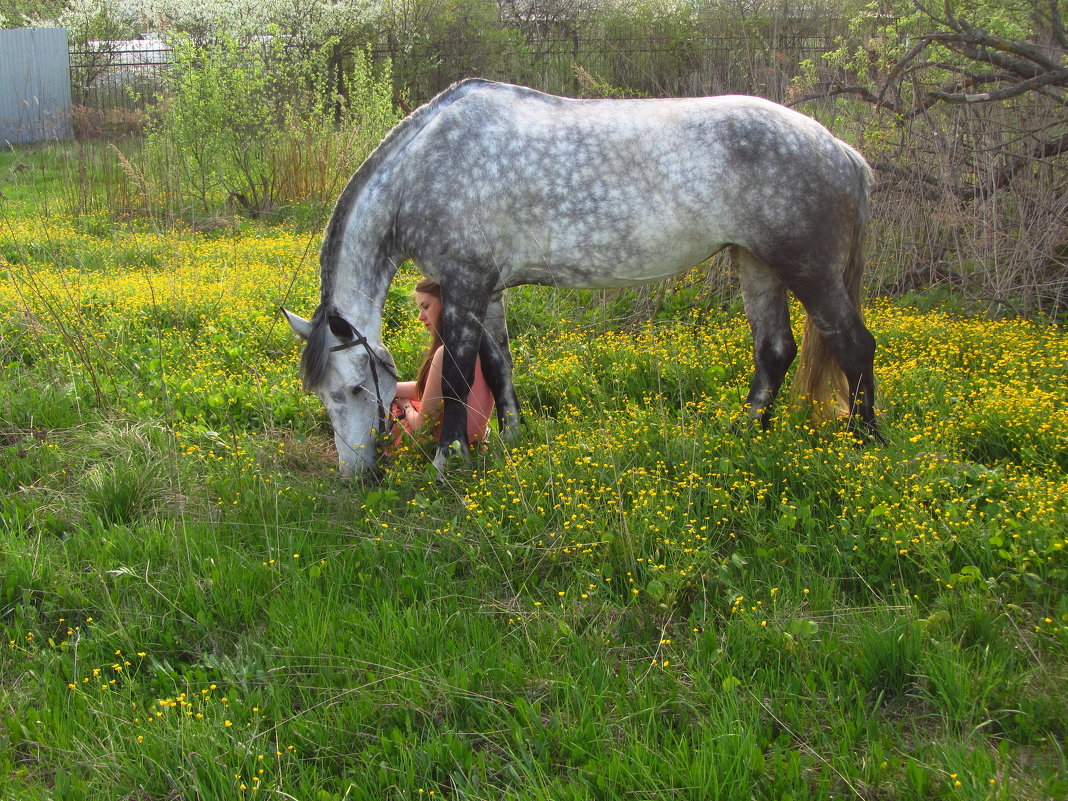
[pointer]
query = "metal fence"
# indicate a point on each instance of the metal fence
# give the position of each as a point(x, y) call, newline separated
point(655, 67)
point(113, 77)
point(35, 101)
point(113, 82)
point(120, 74)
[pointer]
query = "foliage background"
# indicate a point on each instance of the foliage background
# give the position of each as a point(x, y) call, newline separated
point(961, 107)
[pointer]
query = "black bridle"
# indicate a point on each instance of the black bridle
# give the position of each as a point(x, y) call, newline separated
point(375, 361)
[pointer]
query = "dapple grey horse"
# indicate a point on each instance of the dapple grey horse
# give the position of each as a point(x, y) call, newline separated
point(489, 186)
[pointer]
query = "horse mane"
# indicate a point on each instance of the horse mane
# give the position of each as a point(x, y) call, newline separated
point(316, 354)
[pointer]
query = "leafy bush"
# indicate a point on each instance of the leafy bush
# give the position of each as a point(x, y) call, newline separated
point(247, 123)
point(971, 161)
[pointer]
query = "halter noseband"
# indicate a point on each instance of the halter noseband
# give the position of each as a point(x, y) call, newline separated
point(375, 360)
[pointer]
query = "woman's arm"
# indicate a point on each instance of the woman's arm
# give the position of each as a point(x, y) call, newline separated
point(431, 402)
point(407, 390)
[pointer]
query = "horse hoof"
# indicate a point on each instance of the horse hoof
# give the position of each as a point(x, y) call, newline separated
point(864, 434)
point(748, 426)
point(446, 458)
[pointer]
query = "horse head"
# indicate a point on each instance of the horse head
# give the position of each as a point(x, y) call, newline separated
point(355, 379)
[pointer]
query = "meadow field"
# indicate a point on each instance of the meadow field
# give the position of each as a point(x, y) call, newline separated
point(636, 600)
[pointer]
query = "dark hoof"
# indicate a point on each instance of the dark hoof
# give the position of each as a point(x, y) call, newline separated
point(865, 433)
point(747, 426)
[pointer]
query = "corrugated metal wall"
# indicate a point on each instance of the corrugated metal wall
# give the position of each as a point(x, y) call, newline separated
point(34, 85)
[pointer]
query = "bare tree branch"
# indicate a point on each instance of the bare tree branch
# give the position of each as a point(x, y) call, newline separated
point(966, 34)
point(830, 88)
point(935, 186)
point(1046, 150)
point(1059, 77)
point(1022, 67)
point(1056, 23)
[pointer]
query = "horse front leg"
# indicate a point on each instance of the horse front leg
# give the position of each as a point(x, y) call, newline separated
point(463, 312)
point(497, 368)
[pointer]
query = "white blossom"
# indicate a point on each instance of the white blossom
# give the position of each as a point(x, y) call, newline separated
point(291, 16)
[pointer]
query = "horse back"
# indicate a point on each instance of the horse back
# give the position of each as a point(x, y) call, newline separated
point(607, 192)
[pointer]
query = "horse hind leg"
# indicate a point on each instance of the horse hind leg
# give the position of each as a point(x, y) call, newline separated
point(838, 323)
point(497, 368)
point(774, 349)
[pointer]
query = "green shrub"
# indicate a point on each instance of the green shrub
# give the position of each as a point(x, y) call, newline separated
point(249, 124)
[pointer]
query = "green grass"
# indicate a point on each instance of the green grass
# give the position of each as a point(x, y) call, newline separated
point(631, 602)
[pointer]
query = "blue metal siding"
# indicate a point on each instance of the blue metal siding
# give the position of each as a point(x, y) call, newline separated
point(34, 85)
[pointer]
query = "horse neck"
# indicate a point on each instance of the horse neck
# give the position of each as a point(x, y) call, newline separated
point(360, 255)
point(362, 270)
point(361, 304)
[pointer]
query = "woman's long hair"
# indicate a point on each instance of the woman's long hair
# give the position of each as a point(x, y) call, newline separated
point(428, 287)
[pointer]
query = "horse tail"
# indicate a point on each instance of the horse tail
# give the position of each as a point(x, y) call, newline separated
point(819, 380)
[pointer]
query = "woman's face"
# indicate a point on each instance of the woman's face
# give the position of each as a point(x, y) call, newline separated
point(429, 311)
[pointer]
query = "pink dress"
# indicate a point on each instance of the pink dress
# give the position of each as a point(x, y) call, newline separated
point(479, 406)
point(479, 409)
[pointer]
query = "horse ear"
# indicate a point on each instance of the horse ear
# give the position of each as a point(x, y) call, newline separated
point(341, 328)
point(301, 327)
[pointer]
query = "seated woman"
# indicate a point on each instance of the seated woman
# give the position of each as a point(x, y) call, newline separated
point(418, 405)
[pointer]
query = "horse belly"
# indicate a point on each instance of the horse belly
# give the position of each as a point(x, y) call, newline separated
point(593, 264)
point(629, 238)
